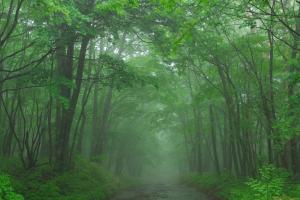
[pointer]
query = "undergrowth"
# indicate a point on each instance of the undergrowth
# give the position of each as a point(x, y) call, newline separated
point(270, 184)
point(87, 181)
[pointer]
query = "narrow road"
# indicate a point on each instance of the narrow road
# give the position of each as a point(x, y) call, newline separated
point(161, 192)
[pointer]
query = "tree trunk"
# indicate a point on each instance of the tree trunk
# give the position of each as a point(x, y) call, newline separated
point(67, 115)
point(214, 138)
point(100, 137)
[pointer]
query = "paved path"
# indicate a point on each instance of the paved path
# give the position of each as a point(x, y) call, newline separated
point(161, 192)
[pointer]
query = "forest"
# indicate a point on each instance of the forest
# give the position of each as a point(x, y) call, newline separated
point(149, 99)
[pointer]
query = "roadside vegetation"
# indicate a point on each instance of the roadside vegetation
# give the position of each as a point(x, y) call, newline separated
point(271, 183)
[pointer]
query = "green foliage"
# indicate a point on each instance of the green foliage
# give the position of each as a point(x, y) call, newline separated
point(114, 71)
point(38, 183)
point(269, 184)
point(112, 6)
point(91, 178)
point(87, 181)
point(6, 190)
point(293, 190)
point(220, 186)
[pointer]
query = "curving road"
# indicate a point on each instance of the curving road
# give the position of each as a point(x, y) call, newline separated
point(161, 192)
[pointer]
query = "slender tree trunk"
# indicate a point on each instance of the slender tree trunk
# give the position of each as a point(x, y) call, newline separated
point(214, 138)
point(100, 137)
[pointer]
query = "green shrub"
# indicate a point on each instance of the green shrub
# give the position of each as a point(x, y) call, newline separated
point(293, 190)
point(220, 185)
point(240, 191)
point(96, 182)
point(87, 181)
point(269, 184)
point(6, 190)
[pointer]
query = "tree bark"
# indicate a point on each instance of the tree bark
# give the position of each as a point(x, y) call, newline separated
point(67, 115)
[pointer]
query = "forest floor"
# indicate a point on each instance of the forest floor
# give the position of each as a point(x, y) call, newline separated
point(162, 191)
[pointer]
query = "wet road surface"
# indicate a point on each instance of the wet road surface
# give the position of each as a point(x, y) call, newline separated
point(161, 192)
